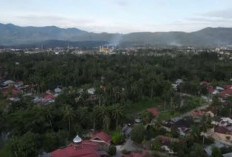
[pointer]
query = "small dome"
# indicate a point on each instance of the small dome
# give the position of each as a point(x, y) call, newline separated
point(77, 139)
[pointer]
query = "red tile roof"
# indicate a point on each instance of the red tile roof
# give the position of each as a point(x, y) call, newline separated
point(85, 149)
point(198, 113)
point(49, 96)
point(71, 151)
point(204, 83)
point(12, 91)
point(102, 136)
point(228, 86)
point(222, 130)
point(143, 154)
point(153, 111)
point(225, 93)
point(89, 144)
point(210, 89)
point(164, 139)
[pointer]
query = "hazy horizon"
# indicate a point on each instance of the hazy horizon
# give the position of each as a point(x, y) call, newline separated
point(118, 16)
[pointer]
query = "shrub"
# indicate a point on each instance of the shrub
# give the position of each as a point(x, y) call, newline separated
point(137, 133)
point(117, 137)
point(112, 150)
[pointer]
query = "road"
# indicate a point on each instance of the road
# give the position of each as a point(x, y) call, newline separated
point(189, 113)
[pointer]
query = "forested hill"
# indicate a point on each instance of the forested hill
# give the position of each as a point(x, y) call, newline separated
point(209, 37)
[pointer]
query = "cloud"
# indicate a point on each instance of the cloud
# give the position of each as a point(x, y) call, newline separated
point(88, 24)
point(217, 18)
point(209, 20)
point(121, 3)
point(226, 14)
point(48, 20)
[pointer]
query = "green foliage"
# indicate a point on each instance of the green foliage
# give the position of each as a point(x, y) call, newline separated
point(216, 152)
point(208, 141)
point(146, 117)
point(197, 150)
point(188, 148)
point(138, 133)
point(156, 145)
point(153, 131)
point(5, 151)
point(124, 85)
point(52, 140)
point(25, 146)
point(225, 150)
point(117, 137)
point(126, 152)
point(174, 132)
point(112, 150)
point(216, 102)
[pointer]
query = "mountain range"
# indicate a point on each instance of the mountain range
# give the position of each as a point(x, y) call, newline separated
point(11, 35)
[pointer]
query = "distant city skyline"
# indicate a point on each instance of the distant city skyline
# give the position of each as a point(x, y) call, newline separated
point(119, 16)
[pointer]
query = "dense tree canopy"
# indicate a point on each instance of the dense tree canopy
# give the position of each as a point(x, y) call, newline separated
point(120, 82)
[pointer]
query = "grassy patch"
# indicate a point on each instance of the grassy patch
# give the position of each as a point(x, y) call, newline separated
point(166, 115)
point(143, 105)
point(5, 151)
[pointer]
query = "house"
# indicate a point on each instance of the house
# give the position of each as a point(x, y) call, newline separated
point(28, 88)
point(222, 121)
point(228, 86)
point(216, 120)
point(57, 90)
point(179, 81)
point(219, 88)
point(10, 91)
point(204, 83)
point(215, 92)
point(138, 120)
point(8, 83)
point(217, 144)
point(167, 149)
point(84, 148)
point(225, 93)
point(198, 113)
point(92, 98)
point(77, 139)
point(14, 99)
point(48, 96)
point(211, 90)
point(101, 137)
point(76, 151)
point(18, 84)
point(227, 155)
point(153, 111)
point(225, 121)
point(210, 114)
point(126, 130)
point(223, 133)
point(183, 125)
point(174, 86)
point(165, 140)
point(91, 91)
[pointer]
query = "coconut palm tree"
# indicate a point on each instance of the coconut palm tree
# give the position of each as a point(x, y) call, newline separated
point(101, 113)
point(49, 116)
point(117, 111)
point(69, 115)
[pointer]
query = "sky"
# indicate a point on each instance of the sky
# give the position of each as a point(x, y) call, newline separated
point(119, 16)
